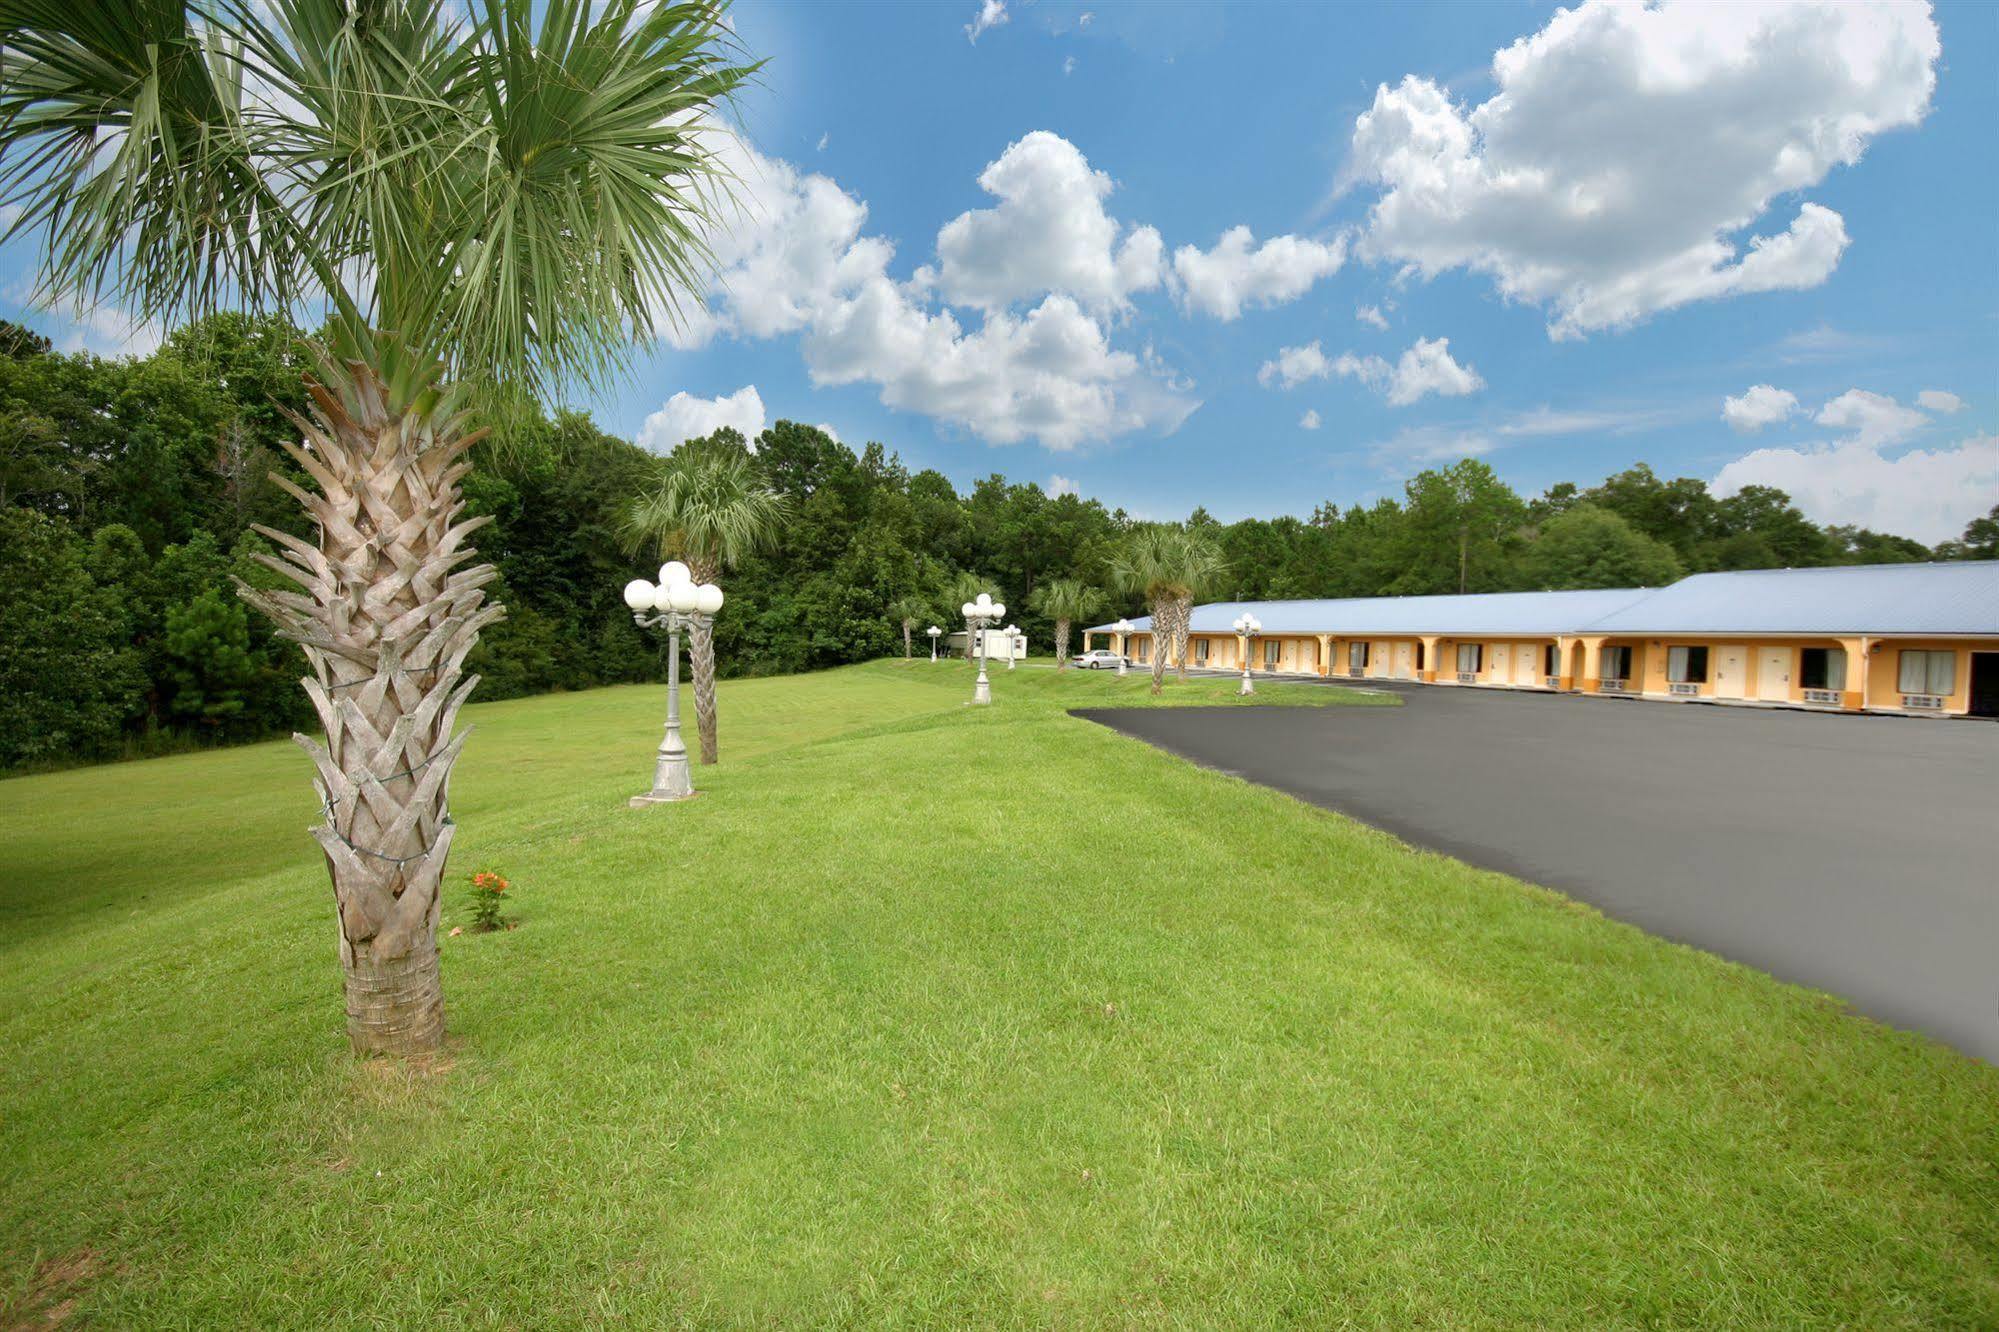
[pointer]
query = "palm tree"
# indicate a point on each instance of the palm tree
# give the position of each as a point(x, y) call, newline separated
point(485, 205)
point(712, 509)
point(966, 587)
point(908, 610)
point(1065, 601)
point(1168, 566)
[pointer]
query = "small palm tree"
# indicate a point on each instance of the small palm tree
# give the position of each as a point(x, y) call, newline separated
point(712, 509)
point(909, 611)
point(966, 587)
point(488, 199)
point(1168, 566)
point(1065, 601)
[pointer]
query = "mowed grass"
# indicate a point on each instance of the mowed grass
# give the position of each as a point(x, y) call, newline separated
point(929, 1016)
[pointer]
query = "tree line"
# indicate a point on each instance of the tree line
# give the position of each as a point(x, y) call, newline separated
point(130, 489)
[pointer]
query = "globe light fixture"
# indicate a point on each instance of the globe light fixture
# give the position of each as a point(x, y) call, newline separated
point(1247, 628)
point(935, 633)
point(1012, 632)
point(979, 614)
point(676, 604)
point(1123, 629)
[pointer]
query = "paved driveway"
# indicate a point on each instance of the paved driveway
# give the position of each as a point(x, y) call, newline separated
point(1858, 855)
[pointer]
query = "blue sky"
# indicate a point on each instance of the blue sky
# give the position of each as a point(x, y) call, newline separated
point(1744, 243)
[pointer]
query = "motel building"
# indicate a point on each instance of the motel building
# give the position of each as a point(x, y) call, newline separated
point(1918, 639)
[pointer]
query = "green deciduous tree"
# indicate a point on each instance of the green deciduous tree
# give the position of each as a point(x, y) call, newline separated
point(1585, 546)
point(488, 203)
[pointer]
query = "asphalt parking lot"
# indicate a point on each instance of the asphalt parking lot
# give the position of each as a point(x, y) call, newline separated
point(1858, 855)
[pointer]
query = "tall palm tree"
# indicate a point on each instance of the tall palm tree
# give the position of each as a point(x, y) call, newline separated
point(712, 509)
point(908, 610)
point(486, 201)
point(1168, 566)
point(966, 587)
point(1065, 601)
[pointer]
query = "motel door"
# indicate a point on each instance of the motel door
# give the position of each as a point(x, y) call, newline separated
point(1773, 674)
point(1502, 663)
point(1527, 664)
point(1731, 672)
point(1404, 661)
point(1377, 658)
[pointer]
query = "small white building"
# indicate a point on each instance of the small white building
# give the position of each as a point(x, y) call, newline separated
point(998, 644)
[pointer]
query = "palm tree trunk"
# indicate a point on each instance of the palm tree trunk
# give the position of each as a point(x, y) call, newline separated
point(701, 658)
point(1162, 635)
point(906, 651)
point(1061, 644)
point(385, 620)
point(1183, 619)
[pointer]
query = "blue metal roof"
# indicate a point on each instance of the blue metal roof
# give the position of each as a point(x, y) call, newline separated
point(1954, 598)
point(1497, 614)
point(1943, 599)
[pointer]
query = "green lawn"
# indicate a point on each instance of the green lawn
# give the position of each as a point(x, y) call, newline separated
point(926, 1016)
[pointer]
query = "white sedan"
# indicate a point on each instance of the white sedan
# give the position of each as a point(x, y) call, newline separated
point(1097, 659)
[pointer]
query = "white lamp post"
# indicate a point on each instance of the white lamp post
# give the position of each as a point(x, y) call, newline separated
point(679, 605)
point(934, 632)
point(1247, 627)
point(1012, 632)
point(1123, 629)
point(979, 614)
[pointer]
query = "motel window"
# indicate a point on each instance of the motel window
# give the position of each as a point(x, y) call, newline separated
point(1551, 660)
point(1928, 673)
point(1419, 654)
point(1822, 668)
point(1271, 647)
point(1686, 665)
point(1357, 655)
point(1470, 657)
point(1615, 663)
point(1200, 652)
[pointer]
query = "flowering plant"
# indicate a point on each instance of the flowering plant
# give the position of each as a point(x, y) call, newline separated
point(489, 892)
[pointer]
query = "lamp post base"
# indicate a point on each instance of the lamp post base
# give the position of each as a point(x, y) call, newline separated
point(982, 692)
point(659, 798)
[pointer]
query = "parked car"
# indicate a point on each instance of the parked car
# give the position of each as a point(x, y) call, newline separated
point(1097, 659)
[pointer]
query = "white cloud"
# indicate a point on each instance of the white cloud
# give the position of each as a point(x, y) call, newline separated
point(1292, 366)
point(824, 138)
point(1050, 233)
point(1309, 421)
point(1628, 146)
point(793, 259)
point(1928, 494)
point(1545, 421)
point(1371, 315)
point(1759, 405)
point(1938, 400)
point(1059, 485)
point(105, 330)
point(1426, 367)
point(686, 417)
point(1238, 272)
point(1871, 418)
point(1068, 65)
point(829, 431)
point(1416, 447)
point(991, 14)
